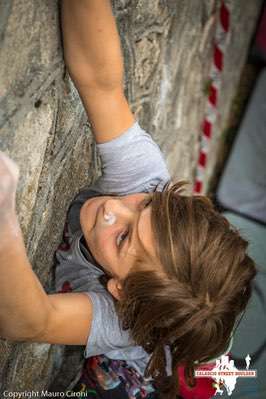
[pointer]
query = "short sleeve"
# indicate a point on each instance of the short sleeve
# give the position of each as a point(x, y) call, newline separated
point(105, 333)
point(131, 163)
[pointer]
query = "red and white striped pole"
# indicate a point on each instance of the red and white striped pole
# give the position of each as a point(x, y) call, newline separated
point(220, 41)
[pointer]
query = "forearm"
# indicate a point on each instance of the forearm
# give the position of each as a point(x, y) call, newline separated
point(23, 302)
point(92, 49)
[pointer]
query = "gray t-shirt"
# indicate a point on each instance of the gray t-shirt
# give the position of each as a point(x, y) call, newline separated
point(131, 163)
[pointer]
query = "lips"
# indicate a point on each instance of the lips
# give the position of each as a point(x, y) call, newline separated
point(91, 211)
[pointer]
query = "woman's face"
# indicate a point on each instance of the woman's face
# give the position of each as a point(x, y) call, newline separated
point(115, 229)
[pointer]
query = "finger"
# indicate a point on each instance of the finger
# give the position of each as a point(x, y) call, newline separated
point(8, 169)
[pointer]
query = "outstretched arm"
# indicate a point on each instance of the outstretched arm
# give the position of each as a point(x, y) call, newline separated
point(26, 311)
point(94, 60)
point(20, 290)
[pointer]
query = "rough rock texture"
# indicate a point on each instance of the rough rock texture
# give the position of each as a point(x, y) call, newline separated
point(168, 48)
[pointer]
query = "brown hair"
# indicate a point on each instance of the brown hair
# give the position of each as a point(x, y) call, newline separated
point(206, 284)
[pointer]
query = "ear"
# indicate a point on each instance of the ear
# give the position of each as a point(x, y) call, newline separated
point(115, 288)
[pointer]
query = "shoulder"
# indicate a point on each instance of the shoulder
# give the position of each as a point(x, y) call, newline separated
point(131, 163)
point(106, 333)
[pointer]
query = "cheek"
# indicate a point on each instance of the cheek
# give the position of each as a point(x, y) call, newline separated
point(100, 243)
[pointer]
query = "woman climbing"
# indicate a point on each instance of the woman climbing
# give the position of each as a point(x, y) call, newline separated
point(148, 279)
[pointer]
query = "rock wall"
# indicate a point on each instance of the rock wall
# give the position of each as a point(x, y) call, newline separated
point(168, 50)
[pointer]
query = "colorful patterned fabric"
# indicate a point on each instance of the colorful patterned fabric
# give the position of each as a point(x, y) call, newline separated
point(104, 378)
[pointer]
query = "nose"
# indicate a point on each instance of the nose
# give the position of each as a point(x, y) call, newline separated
point(116, 211)
point(109, 218)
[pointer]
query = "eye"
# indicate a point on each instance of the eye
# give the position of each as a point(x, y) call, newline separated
point(147, 202)
point(121, 237)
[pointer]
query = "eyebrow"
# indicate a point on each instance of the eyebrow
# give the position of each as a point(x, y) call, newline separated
point(136, 228)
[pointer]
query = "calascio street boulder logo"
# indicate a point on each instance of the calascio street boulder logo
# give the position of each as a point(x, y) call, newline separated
point(225, 374)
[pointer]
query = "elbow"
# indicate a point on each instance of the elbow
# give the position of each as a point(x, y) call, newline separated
point(23, 332)
point(105, 79)
point(108, 82)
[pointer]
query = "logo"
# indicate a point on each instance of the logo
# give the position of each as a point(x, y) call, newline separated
point(225, 374)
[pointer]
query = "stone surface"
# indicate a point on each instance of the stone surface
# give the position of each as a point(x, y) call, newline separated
point(167, 46)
